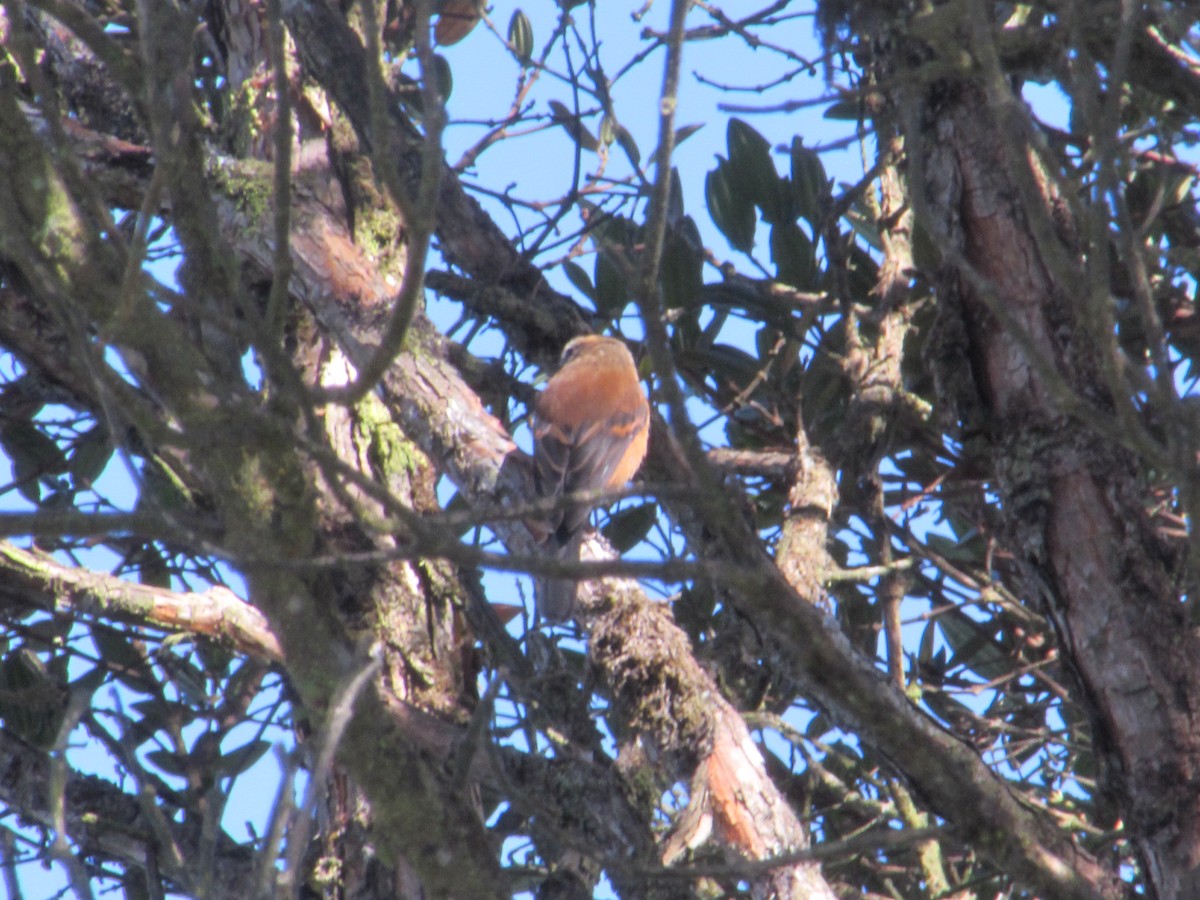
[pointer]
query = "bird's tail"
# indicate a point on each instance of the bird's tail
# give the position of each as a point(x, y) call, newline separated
point(556, 597)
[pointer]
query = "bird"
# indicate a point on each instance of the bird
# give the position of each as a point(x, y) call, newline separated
point(591, 425)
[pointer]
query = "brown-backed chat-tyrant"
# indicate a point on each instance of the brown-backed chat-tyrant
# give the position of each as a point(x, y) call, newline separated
point(590, 428)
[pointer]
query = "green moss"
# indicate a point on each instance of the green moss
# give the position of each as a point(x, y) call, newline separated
point(47, 214)
point(377, 231)
point(391, 453)
point(254, 487)
point(243, 122)
point(643, 788)
point(248, 183)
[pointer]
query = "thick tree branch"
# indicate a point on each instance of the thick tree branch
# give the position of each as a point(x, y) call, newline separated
point(32, 579)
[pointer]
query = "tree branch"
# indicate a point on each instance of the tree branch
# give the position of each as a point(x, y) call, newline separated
point(34, 579)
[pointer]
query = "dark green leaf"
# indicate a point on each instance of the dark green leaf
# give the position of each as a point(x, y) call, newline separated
point(722, 362)
point(235, 762)
point(612, 294)
point(124, 659)
point(31, 701)
point(168, 761)
point(675, 216)
point(578, 277)
point(681, 135)
point(809, 182)
point(154, 713)
point(115, 647)
point(974, 645)
point(33, 456)
point(574, 126)
point(746, 145)
point(793, 256)
point(627, 527)
point(768, 508)
point(31, 449)
point(445, 77)
point(925, 651)
point(628, 144)
point(214, 657)
point(189, 679)
point(612, 229)
point(682, 271)
point(732, 211)
point(90, 455)
point(778, 206)
point(752, 172)
point(970, 551)
point(845, 110)
point(731, 295)
point(152, 567)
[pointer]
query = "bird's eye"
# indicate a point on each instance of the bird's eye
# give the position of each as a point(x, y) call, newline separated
point(570, 351)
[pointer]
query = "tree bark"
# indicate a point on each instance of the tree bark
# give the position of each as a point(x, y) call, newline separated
point(1073, 501)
